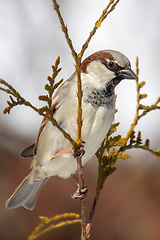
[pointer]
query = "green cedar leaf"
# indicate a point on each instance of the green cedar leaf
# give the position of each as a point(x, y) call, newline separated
point(139, 139)
point(113, 128)
point(142, 84)
point(142, 96)
point(124, 156)
point(147, 143)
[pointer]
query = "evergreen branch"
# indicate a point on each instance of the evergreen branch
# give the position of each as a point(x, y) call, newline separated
point(78, 71)
point(64, 29)
point(47, 111)
point(78, 157)
point(148, 109)
point(110, 7)
point(107, 154)
point(43, 228)
point(113, 128)
point(112, 148)
point(135, 121)
point(78, 59)
point(79, 117)
point(144, 147)
point(139, 106)
point(19, 99)
point(52, 86)
point(79, 96)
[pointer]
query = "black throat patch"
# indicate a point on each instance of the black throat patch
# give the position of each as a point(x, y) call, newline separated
point(101, 97)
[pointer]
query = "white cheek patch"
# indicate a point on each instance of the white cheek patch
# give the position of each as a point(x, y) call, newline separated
point(99, 72)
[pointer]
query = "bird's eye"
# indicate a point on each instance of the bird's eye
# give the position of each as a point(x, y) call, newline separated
point(112, 65)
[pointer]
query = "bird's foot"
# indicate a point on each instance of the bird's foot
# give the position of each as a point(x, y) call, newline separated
point(80, 193)
point(80, 152)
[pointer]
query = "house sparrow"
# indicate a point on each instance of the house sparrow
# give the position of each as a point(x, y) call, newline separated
point(100, 74)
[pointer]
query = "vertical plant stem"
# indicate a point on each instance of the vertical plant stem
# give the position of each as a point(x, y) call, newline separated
point(110, 7)
point(137, 107)
point(82, 201)
point(79, 159)
point(79, 96)
point(64, 29)
point(83, 219)
point(92, 211)
point(77, 59)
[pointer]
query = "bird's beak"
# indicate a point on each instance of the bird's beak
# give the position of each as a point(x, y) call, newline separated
point(127, 74)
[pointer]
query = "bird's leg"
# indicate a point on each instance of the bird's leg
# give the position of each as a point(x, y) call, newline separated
point(81, 191)
point(68, 150)
point(80, 152)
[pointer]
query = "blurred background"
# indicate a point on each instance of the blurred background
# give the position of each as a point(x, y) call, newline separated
point(30, 41)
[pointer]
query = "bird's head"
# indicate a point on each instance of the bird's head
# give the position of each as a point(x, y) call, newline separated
point(107, 65)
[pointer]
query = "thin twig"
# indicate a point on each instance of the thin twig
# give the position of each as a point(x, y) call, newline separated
point(79, 96)
point(155, 153)
point(79, 118)
point(64, 29)
point(98, 23)
point(78, 71)
point(101, 150)
point(92, 211)
point(81, 187)
point(110, 7)
point(43, 227)
point(137, 106)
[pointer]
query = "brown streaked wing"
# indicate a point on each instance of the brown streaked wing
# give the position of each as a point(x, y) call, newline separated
point(45, 121)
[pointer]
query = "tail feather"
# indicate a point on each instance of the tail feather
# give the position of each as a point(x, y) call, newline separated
point(31, 200)
point(26, 194)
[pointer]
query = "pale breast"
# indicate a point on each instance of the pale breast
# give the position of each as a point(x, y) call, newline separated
point(96, 123)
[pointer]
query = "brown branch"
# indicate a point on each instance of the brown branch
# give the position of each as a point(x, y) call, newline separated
point(64, 29)
point(137, 107)
point(110, 7)
point(78, 155)
point(92, 211)
point(78, 60)
point(78, 71)
point(42, 111)
point(79, 96)
point(79, 118)
point(78, 57)
point(98, 23)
